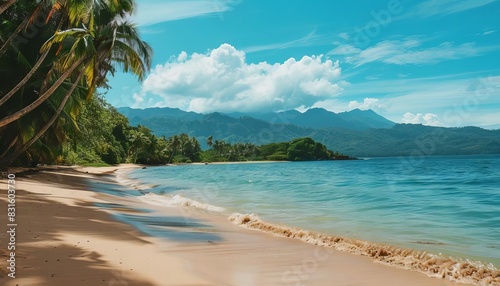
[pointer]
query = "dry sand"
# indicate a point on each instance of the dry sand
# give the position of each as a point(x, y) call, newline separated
point(63, 238)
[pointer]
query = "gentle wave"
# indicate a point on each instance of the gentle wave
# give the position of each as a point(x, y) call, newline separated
point(466, 271)
point(176, 201)
point(122, 178)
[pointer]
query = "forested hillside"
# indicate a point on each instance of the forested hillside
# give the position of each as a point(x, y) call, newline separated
point(398, 140)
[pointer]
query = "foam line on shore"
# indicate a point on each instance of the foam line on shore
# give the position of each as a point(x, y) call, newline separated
point(122, 178)
point(177, 201)
point(433, 265)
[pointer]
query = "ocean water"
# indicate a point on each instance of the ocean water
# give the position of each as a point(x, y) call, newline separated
point(446, 205)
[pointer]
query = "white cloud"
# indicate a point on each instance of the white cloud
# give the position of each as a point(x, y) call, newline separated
point(488, 33)
point(222, 80)
point(183, 56)
point(311, 39)
point(487, 119)
point(419, 118)
point(156, 11)
point(458, 99)
point(345, 36)
point(368, 103)
point(407, 51)
point(446, 7)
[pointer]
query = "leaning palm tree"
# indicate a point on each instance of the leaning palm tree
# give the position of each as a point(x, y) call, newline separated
point(49, 123)
point(109, 39)
point(94, 51)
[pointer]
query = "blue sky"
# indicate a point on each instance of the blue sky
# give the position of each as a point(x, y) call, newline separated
point(435, 62)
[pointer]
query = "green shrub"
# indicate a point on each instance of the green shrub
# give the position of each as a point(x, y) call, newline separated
point(277, 157)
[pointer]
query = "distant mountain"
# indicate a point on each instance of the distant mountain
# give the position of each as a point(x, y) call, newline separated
point(159, 112)
point(414, 140)
point(398, 140)
point(320, 118)
point(223, 127)
point(365, 119)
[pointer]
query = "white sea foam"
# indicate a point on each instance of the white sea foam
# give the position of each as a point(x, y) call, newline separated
point(121, 176)
point(177, 201)
point(433, 265)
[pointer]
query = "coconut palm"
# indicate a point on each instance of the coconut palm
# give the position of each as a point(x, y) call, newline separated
point(88, 52)
point(139, 141)
point(210, 141)
point(173, 146)
point(108, 40)
point(49, 123)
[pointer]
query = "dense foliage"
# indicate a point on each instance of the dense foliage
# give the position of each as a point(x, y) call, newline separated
point(300, 149)
point(53, 56)
point(115, 141)
point(103, 136)
point(105, 144)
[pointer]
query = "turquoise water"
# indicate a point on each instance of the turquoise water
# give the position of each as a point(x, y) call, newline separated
point(448, 205)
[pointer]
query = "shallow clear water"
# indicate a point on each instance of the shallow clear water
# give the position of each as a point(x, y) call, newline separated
point(448, 205)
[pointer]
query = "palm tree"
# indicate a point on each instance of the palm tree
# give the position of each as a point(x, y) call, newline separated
point(219, 146)
point(97, 48)
point(110, 40)
point(27, 22)
point(138, 142)
point(194, 149)
point(47, 125)
point(210, 142)
point(174, 143)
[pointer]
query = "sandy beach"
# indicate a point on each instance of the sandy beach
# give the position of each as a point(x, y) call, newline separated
point(67, 234)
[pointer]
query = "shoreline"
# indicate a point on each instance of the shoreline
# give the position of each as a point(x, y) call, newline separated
point(63, 239)
point(206, 262)
point(432, 265)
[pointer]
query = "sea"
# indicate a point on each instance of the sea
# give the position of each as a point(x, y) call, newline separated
point(445, 205)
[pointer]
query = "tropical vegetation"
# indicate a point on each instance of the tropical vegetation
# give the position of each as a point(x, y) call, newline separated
point(53, 57)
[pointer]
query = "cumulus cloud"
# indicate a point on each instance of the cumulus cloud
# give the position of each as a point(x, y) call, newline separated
point(419, 118)
point(222, 80)
point(368, 103)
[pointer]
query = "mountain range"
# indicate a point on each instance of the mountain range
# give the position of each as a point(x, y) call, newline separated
point(361, 133)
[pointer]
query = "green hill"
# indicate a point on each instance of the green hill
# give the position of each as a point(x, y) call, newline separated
point(398, 140)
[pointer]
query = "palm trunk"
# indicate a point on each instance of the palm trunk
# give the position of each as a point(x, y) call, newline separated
point(13, 117)
point(20, 27)
point(33, 69)
point(10, 146)
point(25, 79)
point(5, 5)
point(13, 36)
point(44, 129)
point(172, 155)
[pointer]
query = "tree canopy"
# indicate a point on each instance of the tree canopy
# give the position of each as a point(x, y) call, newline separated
point(53, 56)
